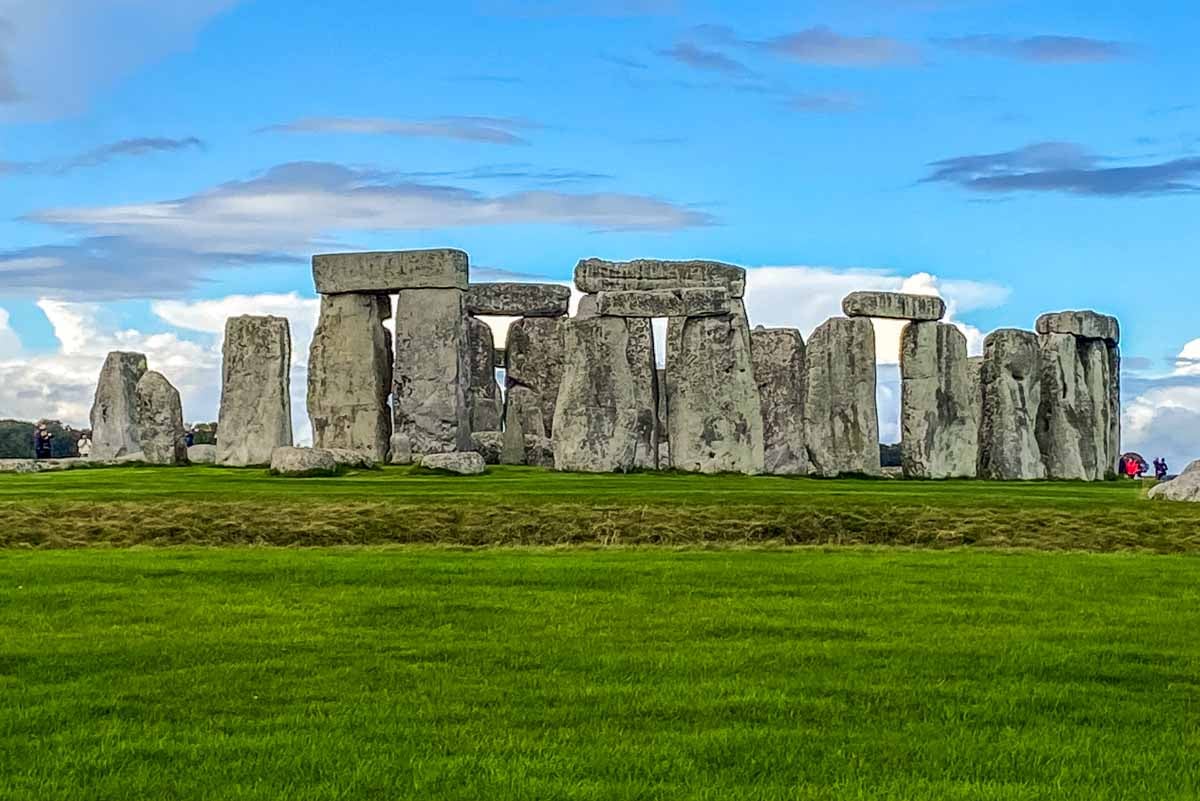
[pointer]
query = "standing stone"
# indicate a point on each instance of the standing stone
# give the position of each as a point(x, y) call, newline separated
point(1011, 390)
point(523, 410)
point(431, 374)
point(1074, 427)
point(114, 410)
point(716, 423)
point(596, 422)
point(664, 441)
point(255, 416)
point(160, 421)
point(640, 354)
point(484, 400)
point(350, 375)
point(534, 360)
point(518, 300)
point(512, 448)
point(939, 418)
point(1114, 407)
point(589, 306)
point(894, 306)
point(779, 364)
point(841, 418)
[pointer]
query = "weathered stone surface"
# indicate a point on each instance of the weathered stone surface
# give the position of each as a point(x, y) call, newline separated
point(431, 374)
point(523, 412)
point(664, 439)
point(202, 454)
point(588, 307)
point(715, 417)
point(1087, 324)
point(596, 422)
point(388, 272)
point(1114, 403)
point(512, 446)
point(302, 462)
point(894, 306)
point(488, 444)
point(644, 371)
point(350, 375)
point(841, 418)
point(464, 463)
point(160, 421)
point(939, 413)
point(1011, 390)
point(684, 302)
point(114, 411)
point(400, 449)
point(1184, 487)
point(255, 416)
point(511, 299)
point(485, 403)
point(534, 354)
point(1075, 418)
point(539, 451)
point(597, 275)
point(779, 365)
point(349, 457)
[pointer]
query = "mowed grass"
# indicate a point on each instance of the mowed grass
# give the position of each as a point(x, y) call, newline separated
point(265, 673)
point(212, 506)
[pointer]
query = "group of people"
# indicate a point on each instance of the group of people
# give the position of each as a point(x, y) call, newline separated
point(1135, 467)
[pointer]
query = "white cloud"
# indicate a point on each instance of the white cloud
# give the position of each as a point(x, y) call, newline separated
point(60, 53)
point(10, 343)
point(1161, 416)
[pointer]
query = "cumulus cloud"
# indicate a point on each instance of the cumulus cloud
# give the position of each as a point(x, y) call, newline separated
point(1042, 49)
point(285, 214)
point(489, 130)
point(1066, 168)
point(103, 41)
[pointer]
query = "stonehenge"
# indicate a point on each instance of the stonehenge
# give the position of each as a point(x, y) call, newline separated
point(255, 415)
point(593, 393)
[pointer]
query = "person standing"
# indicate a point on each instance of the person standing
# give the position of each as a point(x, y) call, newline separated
point(42, 442)
point(84, 446)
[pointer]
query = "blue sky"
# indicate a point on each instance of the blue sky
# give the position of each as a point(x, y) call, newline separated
point(1025, 155)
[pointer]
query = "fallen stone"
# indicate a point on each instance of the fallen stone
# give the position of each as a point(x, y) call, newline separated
point(114, 411)
point(463, 463)
point(534, 352)
point(432, 372)
point(779, 365)
point(684, 302)
point(939, 413)
point(484, 401)
point(841, 420)
point(1086, 324)
point(160, 421)
point(202, 454)
point(302, 462)
point(488, 444)
point(1011, 390)
point(19, 466)
point(1184, 487)
point(894, 306)
point(355, 459)
point(715, 416)
point(597, 275)
point(350, 375)
point(596, 422)
point(1075, 419)
point(510, 299)
point(400, 450)
point(390, 271)
point(255, 415)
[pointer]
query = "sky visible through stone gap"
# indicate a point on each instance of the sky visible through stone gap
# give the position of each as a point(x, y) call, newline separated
point(186, 161)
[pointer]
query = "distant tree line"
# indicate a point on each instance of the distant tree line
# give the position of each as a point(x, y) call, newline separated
point(16, 438)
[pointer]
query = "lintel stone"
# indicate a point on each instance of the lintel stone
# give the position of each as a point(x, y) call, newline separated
point(390, 271)
point(681, 302)
point(512, 299)
point(598, 275)
point(894, 306)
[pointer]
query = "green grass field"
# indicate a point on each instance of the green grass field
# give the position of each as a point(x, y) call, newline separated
point(211, 506)
point(419, 672)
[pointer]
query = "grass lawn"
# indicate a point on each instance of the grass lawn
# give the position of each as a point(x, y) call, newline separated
point(212, 506)
point(229, 673)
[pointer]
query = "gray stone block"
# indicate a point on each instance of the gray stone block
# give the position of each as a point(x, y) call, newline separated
point(512, 299)
point(255, 416)
point(484, 400)
point(939, 412)
point(685, 302)
point(841, 419)
point(390, 271)
point(1011, 389)
point(779, 366)
point(597, 275)
point(160, 421)
point(114, 410)
point(429, 397)
point(1086, 324)
point(894, 306)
